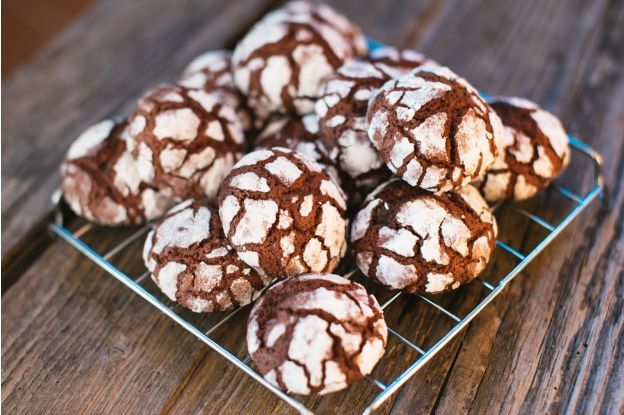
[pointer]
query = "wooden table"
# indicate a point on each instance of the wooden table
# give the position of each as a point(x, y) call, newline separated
point(74, 340)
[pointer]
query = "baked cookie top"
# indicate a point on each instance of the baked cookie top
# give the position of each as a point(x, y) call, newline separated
point(433, 129)
point(283, 213)
point(300, 134)
point(187, 140)
point(101, 181)
point(192, 263)
point(407, 238)
point(534, 150)
point(316, 333)
point(211, 71)
point(282, 60)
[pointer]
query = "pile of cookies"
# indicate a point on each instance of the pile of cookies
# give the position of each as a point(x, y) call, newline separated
point(388, 141)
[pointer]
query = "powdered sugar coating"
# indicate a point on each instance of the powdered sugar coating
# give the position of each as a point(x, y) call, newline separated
point(190, 260)
point(316, 333)
point(300, 134)
point(186, 139)
point(433, 129)
point(533, 152)
point(282, 60)
point(341, 108)
point(410, 239)
point(211, 72)
point(101, 181)
point(297, 226)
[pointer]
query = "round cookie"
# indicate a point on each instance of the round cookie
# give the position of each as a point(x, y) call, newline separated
point(316, 333)
point(341, 108)
point(211, 71)
point(187, 140)
point(191, 262)
point(300, 134)
point(283, 214)
point(534, 150)
point(282, 60)
point(410, 239)
point(101, 181)
point(433, 129)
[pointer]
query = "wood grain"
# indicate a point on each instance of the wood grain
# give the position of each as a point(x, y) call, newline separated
point(74, 340)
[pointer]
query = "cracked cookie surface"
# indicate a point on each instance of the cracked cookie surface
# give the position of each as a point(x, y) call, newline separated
point(101, 181)
point(300, 134)
point(186, 140)
point(282, 60)
point(283, 213)
point(192, 263)
point(410, 239)
point(341, 108)
point(534, 150)
point(316, 333)
point(212, 72)
point(433, 129)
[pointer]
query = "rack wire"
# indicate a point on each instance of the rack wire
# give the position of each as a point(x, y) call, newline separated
point(139, 283)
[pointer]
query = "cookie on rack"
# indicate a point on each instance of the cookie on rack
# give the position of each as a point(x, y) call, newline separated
point(186, 140)
point(317, 333)
point(300, 134)
point(410, 239)
point(534, 151)
point(283, 213)
point(282, 60)
point(341, 108)
point(101, 181)
point(211, 71)
point(192, 263)
point(433, 129)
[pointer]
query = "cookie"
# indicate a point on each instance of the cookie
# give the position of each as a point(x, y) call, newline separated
point(300, 134)
point(187, 140)
point(101, 181)
point(534, 150)
point(316, 333)
point(433, 129)
point(282, 60)
point(410, 239)
point(341, 108)
point(191, 262)
point(283, 213)
point(211, 71)
point(397, 62)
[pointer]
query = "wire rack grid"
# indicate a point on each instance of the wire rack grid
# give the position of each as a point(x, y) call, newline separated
point(386, 390)
point(580, 200)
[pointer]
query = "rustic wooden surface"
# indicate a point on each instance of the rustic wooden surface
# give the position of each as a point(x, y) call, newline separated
point(75, 340)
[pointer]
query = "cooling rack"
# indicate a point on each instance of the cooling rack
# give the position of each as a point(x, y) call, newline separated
point(138, 283)
point(577, 200)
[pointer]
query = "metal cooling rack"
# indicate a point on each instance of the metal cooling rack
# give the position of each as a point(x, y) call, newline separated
point(138, 284)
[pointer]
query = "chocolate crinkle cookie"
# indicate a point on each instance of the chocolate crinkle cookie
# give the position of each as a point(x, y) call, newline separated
point(101, 181)
point(187, 140)
point(282, 60)
point(211, 71)
point(316, 333)
point(190, 260)
point(300, 134)
point(433, 129)
point(341, 108)
point(410, 239)
point(534, 150)
point(283, 213)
